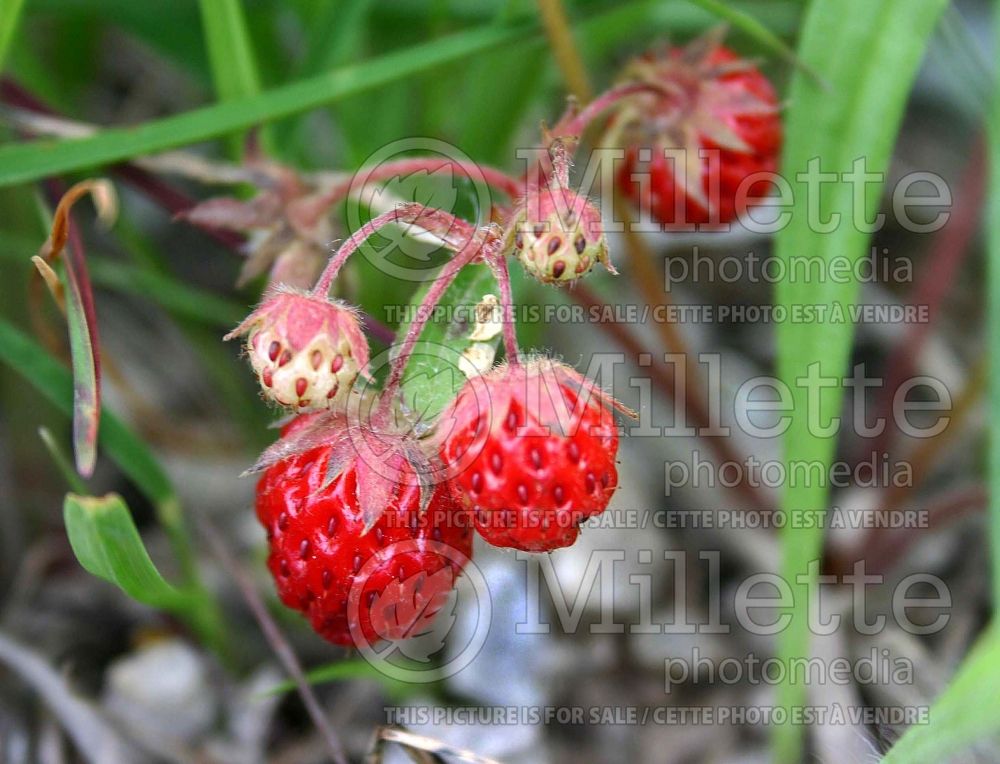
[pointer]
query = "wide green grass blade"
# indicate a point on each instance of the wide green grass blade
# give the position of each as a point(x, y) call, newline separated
point(964, 714)
point(868, 51)
point(10, 18)
point(992, 213)
point(107, 544)
point(230, 53)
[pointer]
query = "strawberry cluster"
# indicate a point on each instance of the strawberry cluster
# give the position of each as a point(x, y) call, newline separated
point(356, 497)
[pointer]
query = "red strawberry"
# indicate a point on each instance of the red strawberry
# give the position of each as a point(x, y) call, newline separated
point(532, 453)
point(719, 102)
point(318, 544)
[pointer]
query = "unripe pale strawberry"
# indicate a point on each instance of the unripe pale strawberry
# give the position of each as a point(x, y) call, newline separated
point(557, 234)
point(307, 351)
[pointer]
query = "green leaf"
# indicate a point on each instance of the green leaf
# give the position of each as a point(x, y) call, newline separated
point(964, 714)
point(489, 132)
point(432, 375)
point(107, 544)
point(869, 51)
point(10, 17)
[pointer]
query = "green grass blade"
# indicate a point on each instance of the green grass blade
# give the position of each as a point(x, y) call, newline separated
point(83, 342)
point(869, 51)
point(992, 213)
point(25, 162)
point(81, 317)
point(347, 670)
point(230, 53)
point(107, 544)
point(964, 714)
point(38, 159)
point(62, 461)
point(755, 30)
point(10, 17)
point(180, 299)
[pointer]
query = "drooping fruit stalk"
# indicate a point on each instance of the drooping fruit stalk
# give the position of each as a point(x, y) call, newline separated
point(502, 275)
point(453, 231)
point(486, 246)
point(311, 208)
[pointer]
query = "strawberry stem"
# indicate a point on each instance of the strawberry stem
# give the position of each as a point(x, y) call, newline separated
point(572, 125)
point(502, 275)
point(486, 247)
point(493, 177)
point(454, 231)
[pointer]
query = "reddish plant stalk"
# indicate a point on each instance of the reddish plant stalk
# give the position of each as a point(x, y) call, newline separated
point(576, 124)
point(437, 222)
point(313, 207)
point(466, 255)
point(502, 275)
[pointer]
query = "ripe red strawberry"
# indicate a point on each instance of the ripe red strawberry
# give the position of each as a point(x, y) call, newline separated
point(531, 450)
point(318, 546)
point(719, 102)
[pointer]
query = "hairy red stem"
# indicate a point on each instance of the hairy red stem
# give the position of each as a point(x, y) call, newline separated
point(502, 274)
point(472, 250)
